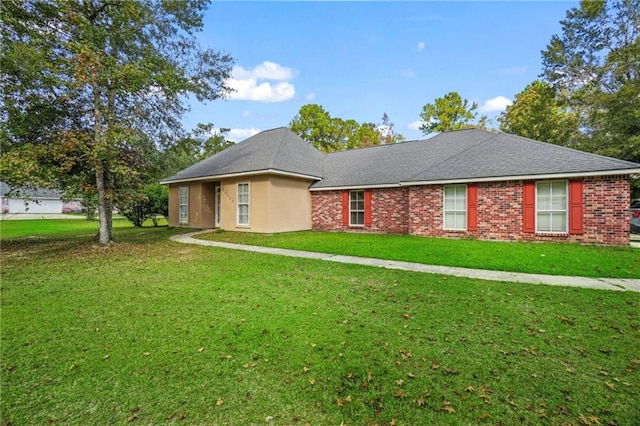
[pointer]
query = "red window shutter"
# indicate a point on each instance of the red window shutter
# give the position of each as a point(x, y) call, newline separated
point(367, 208)
point(576, 208)
point(529, 207)
point(472, 207)
point(345, 208)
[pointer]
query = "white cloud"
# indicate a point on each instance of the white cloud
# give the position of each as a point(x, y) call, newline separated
point(421, 46)
point(415, 125)
point(310, 96)
point(265, 71)
point(238, 135)
point(247, 86)
point(246, 114)
point(499, 103)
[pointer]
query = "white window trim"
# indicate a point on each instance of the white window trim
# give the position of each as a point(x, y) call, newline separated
point(248, 203)
point(445, 211)
point(364, 208)
point(566, 209)
point(185, 205)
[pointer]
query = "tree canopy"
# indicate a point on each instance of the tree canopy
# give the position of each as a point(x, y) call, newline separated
point(90, 88)
point(595, 66)
point(450, 112)
point(328, 134)
point(538, 113)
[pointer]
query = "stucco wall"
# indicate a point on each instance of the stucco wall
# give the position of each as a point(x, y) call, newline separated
point(289, 204)
point(201, 204)
point(276, 204)
point(500, 213)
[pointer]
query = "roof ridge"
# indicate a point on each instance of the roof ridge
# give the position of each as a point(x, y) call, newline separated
point(474, 145)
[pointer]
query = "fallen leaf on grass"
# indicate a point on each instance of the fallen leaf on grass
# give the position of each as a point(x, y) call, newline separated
point(448, 407)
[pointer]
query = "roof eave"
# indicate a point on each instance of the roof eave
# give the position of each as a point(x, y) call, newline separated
point(355, 187)
point(524, 177)
point(241, 174)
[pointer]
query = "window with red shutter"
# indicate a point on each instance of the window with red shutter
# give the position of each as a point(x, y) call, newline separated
point(345, 208)
point(472, 207)
point(529, 207)
point(576, 207)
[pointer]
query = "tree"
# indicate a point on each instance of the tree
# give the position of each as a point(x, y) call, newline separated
point(595, 66)
point(89, 87)
point(538, 113)
point(365, 135)
point(313, 124)
point(387, 132)
point(450, 112)
point(328, 134)
point(202, 142)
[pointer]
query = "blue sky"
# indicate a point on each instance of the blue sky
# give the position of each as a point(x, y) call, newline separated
point(362, 59)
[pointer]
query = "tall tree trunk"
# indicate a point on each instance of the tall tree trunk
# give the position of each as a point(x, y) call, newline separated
point(104, 206)
point(102, 182)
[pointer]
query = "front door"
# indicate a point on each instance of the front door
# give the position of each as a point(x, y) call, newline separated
point(217, 207)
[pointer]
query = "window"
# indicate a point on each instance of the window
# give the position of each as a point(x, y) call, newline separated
point(455, 207)
point(243, 204)
point(551, 206)
point(218, 200)
point(356, 208)
point(183, 205)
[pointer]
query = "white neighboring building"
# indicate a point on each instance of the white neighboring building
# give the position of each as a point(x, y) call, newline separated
point(36, 201)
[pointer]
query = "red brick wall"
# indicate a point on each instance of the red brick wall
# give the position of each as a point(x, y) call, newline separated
point(606, 218)
point(389, 210)
point(326, 210)
point(388, 205)
point(417, 210)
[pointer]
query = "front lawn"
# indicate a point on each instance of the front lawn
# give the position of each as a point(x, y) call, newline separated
point(147, 331)
point(534, 258)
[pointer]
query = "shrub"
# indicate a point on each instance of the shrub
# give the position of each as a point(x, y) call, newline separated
point(153, 201)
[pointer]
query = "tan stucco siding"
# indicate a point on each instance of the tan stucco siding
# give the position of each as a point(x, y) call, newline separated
point(201, 204)
point(289, 205)
point(258, 200)
point(276, 204)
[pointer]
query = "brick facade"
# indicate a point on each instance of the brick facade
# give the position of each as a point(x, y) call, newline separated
point(418, 210)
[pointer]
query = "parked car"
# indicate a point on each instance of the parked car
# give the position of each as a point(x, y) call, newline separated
point(635, 216)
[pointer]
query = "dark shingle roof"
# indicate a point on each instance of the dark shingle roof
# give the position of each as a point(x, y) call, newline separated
point(461, 155)
point(504, 155)
point(278, 150)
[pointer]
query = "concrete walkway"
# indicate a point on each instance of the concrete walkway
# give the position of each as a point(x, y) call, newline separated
point(481, 274)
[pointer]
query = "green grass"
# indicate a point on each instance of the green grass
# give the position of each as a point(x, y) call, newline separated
point(535, 258)
point(146, 331)
point(59, 228)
